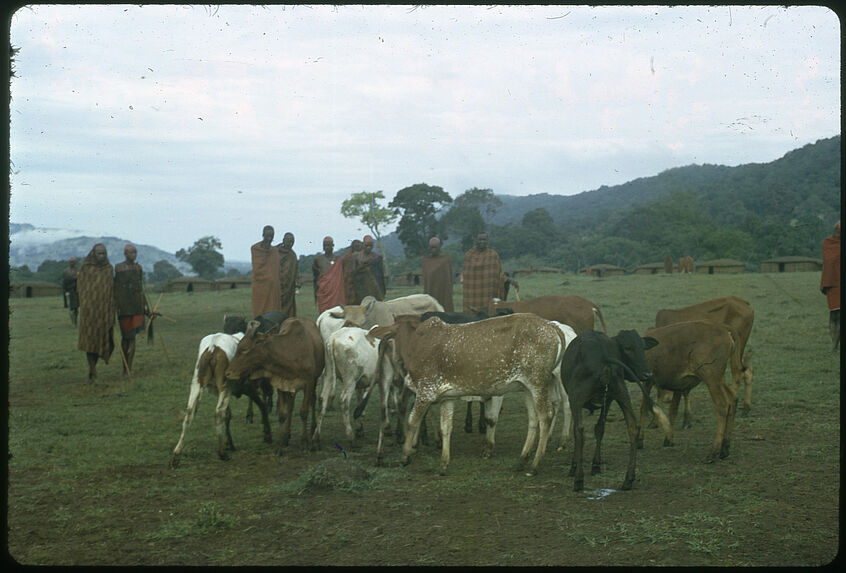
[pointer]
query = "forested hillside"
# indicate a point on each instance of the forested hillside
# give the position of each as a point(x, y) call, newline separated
point(750, 213)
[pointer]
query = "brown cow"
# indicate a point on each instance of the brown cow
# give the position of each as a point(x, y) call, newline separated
point(488, 358)
point(292, 359)
point(575, 311)
point(731, 311)
point(689, 353)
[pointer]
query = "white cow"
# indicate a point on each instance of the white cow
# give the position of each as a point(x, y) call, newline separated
point(351, 360)
point(213, 356)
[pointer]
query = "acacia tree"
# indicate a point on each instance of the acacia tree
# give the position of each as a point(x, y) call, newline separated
point(364, 206)
point(203, 256)
point(418, 205)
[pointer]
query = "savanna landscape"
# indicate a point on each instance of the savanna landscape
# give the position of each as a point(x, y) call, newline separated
point(89, 481)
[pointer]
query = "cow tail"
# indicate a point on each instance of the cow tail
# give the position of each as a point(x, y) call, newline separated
point(737, 364)
point(359, 409)
point(598, 314)
point(660, 417)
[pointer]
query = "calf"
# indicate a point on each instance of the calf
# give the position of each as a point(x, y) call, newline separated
point(593, 372)
point(267, 322)
point(735, 313)
point(689, 353)
point(351, 358)
point(213, 357)
point(578, 312)
point(292, 360)
point(442, 362)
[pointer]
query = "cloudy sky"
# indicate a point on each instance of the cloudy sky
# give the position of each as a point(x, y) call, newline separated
point(162, 124)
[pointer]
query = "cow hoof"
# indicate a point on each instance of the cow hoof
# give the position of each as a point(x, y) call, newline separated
point(687, 426)
point(627, 485)
point(174, 462)
point(405, 460)
point(595, 470)
point(710, 459)
point(224, 457)
point(249, 419)
point(640, 444)
point(724, 452)
point(268, 440)
point(578, 486)
point(531, 472)
point(668, 443)
point(468, 429)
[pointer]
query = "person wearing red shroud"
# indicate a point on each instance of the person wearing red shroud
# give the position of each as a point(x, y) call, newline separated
point(95, 284)
point(266, 290)
point(830, 283)
point(328, 277)
point(437, 274)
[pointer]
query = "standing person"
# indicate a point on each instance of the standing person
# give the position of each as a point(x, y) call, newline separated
point(483, 276)
point(830, 283)
point(95, 284)
point(437, 274)
point(288, 275)
point(71, 296)
point(351, 262)
point(369, 273)
point(328, 275)
point(131, 303)
point(266, 291)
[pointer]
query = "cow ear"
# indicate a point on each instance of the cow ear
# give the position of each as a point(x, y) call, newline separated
point(649, 342)
point(252, 328)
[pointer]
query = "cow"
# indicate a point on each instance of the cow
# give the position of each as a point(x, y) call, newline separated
point(579, 313)
point(213, 357)
point(593, 371)
point(267, 322)
point(441, 362)
point(689, 353)
point(372, 312)
point(351, 360)
point(735, 313)
point(292, 359)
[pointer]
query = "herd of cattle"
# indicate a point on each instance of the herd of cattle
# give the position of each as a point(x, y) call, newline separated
point(411, 351)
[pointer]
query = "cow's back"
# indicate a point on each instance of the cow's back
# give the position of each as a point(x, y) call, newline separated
point(686, 347)
point(568, 309)
point(298, 347)
point(733, 311)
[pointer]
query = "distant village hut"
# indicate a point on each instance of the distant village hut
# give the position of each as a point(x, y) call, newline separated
point(32, 289)
point(791, 265)
point(229, 283)
point(651, 269)
point(604, 270)
point(187, 284)
point(409, 278)
point(720, 266)
point(532, 270)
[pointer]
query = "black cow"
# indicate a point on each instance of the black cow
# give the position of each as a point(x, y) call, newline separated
point(594, 370)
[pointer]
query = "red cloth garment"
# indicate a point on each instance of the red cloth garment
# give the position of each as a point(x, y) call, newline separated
point(830, 279)
point(330, 287)
point(266, 292)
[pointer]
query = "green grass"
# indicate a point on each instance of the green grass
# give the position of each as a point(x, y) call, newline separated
point(89, 481)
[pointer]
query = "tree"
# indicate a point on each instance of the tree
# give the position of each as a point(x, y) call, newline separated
point(470, 213)
point(203, 257)
point(364, 207)
point(164, 271)
point(51, 271)
point(418, 205)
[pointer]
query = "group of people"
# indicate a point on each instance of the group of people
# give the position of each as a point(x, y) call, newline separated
point(96, 292)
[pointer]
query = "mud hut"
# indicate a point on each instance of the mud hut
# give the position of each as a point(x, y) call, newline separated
point(604, 270)
point(31, 289)
point(409, 278)
point(229, 283)
point(187, 284)
point(651, 269)
point(720, 266)
point(791, 265)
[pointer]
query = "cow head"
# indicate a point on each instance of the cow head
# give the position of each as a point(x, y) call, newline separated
point(632, 348)
point(248, 356)
point(354, 314)
point(233, 323)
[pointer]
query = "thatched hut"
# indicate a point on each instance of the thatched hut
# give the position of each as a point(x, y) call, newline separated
point(651, 269)
point(604, 270)
point(187, 284)
point(791, 265)
point(408, 278)
point(533, 270)
point(720, 266)
point(228, 283)
point(31, 289)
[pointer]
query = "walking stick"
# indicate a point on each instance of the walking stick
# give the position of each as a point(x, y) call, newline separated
point(123, 357)
point(153, 314)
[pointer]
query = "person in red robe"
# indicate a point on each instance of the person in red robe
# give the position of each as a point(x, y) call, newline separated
point(328, 274)
point(830, 283)
point(266, 290)
point(437, 274)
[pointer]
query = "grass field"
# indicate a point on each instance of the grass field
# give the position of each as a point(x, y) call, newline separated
point(89, 482)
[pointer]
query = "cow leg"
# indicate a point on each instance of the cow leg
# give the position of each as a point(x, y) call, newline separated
point(307, 404)
point(251, 389)
point(447, 408)
point(631, 425)
point(641, 429)
point(544, 410)
point(347, 390)
point(687, 421)
point(492, 411)
point(285, 405)
point(418, 410)
point(193, 403)
point(221, 424)
point(531, 430)
point(468, 419)
point(732, 410)
point(561, 414)
point(674, 411)
point(721, 400)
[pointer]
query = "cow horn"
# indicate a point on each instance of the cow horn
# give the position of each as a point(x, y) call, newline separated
point(251, 328)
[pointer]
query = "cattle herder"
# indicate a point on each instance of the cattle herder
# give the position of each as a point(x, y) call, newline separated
point(266, 293)
point(95, 285)
point(69, 292)
point(830, 283)
point(483, 276)
point(288, 275)
point(131, 303)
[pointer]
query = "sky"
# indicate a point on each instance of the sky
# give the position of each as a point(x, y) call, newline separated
point(162, 124)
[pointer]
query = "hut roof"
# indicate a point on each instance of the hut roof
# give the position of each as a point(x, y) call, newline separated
point(721, 263)
point(652, 266)
point(792, 259)
point(606, 267)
